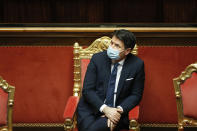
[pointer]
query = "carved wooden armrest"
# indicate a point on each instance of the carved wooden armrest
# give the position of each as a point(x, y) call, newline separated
point(133, 117)
point(69, 112)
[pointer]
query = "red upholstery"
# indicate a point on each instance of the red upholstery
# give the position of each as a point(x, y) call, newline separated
point(3, 107)
point(71, 107)
point(134, 113)
point(189, 96)
point(44, 77)
point(162, 64)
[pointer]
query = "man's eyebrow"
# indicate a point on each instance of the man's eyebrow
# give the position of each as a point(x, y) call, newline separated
point(113, 42)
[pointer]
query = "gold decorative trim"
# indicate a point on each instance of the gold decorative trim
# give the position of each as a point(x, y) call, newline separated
point(134, 125)
point(63, 125)
point(68, 124)
point(158, 125)
point(38, 125)
point(10, 90)
point(182, 120)
point(163, 125)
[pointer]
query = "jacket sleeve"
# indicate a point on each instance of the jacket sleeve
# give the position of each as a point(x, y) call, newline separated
point(89, 86)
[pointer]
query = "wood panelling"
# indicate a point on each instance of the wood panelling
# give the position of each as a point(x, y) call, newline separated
point(68, 36)
point(98, 11)
point(180, 11)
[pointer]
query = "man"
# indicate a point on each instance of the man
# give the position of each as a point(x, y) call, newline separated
point(113, 85)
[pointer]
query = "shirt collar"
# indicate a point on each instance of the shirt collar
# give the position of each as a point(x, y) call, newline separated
point(121, 62)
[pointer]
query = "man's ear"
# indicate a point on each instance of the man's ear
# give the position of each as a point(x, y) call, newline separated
point(127, 51)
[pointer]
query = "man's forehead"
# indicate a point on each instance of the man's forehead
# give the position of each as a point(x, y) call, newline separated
point(117, 41)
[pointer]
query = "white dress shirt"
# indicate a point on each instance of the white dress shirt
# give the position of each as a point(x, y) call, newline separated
point(119, 69)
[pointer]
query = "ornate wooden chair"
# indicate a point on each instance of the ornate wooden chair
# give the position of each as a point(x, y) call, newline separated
point(185, 90)
point(6, 104)
point(81, 60)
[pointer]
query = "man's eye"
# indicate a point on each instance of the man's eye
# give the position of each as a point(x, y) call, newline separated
point(117, 46)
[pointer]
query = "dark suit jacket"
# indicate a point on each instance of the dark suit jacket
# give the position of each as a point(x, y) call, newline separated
point(129, 92)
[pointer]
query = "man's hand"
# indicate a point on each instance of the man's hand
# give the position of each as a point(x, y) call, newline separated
point(113, 114)
point(111, 125)
point(120, 110)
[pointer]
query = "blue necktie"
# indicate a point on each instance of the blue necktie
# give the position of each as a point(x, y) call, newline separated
point(111, 86)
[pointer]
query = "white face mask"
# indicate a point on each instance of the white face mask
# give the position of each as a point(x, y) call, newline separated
point(113, 53)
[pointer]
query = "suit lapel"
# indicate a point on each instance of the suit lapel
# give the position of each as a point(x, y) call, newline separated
point(123, 76)
point(107, 73)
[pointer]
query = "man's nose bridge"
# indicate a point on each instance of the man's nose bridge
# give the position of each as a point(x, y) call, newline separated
point(113, 46)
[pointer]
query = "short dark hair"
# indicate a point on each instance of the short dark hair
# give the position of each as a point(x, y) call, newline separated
point(126, 37)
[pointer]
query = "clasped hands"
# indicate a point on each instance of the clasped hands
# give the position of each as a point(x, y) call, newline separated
point(113, 115)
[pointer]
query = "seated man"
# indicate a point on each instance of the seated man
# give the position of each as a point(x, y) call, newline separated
point(113, 85)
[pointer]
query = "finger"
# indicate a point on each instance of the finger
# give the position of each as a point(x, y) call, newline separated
point(117, 119)
point(114, 120)
point(119, 110)
point(111, 126)
point(108, 123)
point(114, 125)
point(103, 116)
point(117, 116)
